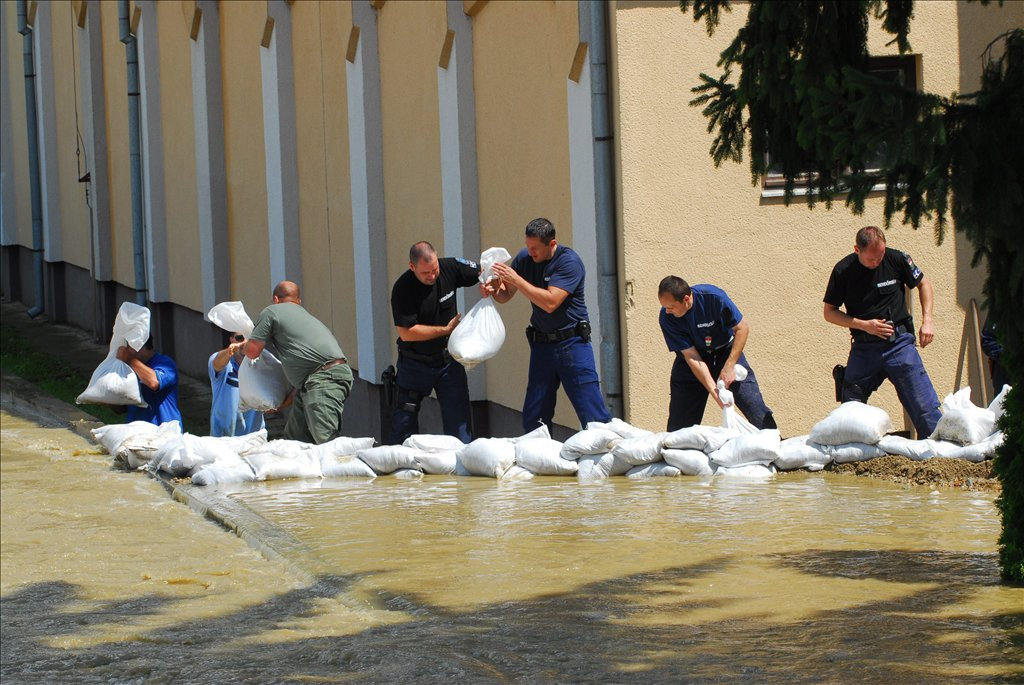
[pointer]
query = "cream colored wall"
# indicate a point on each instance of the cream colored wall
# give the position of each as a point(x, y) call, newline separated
point(74, 213)
point(115, 83)
point(680, 215)
point(185, 278)
point(522, 54)
point(241, 29)
point(411, 35)
point(319, 39)
point(15, 76)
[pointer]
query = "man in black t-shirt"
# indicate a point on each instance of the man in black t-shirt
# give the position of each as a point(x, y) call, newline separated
point(869, 283)
point(425, 312)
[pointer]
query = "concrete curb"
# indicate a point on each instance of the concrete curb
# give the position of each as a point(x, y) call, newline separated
point(18, 396)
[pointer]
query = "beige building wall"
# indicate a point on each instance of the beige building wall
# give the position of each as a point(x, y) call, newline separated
point(15, 77)
point(185, 281)
point(410, 37)
point(522, 53)
point(241, 27)
point(115, 81)
point(680, 215)
point(74, 213)
point(319, 38)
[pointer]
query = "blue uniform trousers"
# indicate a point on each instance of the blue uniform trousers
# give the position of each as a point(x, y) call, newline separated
point(870, 363)
point(415, 381)
point(569, 363)
point(689, 396)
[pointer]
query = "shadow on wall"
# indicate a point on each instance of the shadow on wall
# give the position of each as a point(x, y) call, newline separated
point(597, 633)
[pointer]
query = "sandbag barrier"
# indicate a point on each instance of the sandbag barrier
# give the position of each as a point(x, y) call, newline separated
point(852, 432)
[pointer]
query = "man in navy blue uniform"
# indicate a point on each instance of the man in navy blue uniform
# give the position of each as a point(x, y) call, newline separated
point(551, 277)
point(869, 283)
point(707, 333)
point(425, 312)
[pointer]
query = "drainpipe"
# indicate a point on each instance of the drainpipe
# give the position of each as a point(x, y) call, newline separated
point(32, 117)
point(604, 182)
point(135, 147)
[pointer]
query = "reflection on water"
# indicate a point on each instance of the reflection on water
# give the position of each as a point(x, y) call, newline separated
point(805, 578)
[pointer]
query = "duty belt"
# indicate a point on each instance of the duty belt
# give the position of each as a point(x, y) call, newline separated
point(329, 365)
point(581, 328)
point(439, 358)
point(904, 326)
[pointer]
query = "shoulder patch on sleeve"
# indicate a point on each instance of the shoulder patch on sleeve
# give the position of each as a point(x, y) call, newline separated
point(467, 262)
point(915, 271)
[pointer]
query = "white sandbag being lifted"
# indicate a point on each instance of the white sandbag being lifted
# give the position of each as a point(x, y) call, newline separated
point(113, 381)
point(481, 333)
point(262, 384)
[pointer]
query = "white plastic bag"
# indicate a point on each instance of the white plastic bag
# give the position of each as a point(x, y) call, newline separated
point(918, 450)
point(490, 257)
point(262, 384)
point(690, 462)
point(657, 469)
point(852, 422)
point(852, 452)
point(746, 471)
point(798, 453)
point(759, 447)
point(542, 456)
point(344, 466)
point(962, 421)
point(113, 381)
point(138, 449)
point(270, 466)
point(433, 443)
point(389, 458)
point(112, 435)
point(638, 451)
point(704, 438)
point(590, 441)
point(440, 462)
point(731, 418)
point(231, 317)
point(490, 457)
point(235, 470)
point(479, 335)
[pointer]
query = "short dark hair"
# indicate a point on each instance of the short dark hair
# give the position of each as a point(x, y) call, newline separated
point(674, 286)
point(868, 236)
point(148, 345)
point(420, 251)
point(541, 229)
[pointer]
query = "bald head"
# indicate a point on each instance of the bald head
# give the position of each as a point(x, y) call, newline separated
point(287, 291)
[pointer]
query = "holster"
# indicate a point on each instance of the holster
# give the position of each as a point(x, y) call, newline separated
point(389, 382)
point(839, 376)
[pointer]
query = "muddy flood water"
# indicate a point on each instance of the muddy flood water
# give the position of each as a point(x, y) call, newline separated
point(804, 578)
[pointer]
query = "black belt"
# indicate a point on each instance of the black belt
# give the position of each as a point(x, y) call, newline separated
point(904, 326)
point(581, 329)
point(329, 365)
point(439, 358)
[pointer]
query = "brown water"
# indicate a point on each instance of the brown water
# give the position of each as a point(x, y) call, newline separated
point(803, 578)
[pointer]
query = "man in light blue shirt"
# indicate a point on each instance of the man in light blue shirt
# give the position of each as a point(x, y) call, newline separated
point(225, 416)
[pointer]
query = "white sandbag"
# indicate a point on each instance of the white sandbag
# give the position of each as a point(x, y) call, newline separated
point(542, 457)
point(433, 443)
point(180, 456)
point(231, 317)
point(343, 446)
point(490, 457)
point(540, 431)
point(690, 462)
point(439, 463)
point(235, 470)
point(731, 418)
point(112, 435)
point(761, 447)
point(517, 472)
point(113, 381)
point(282, 448)
point(407, 474)
point(344, 466)
point(918, 450)
point(746, 471)
point(638, 451)
point(986, 449)
point(703, 438)
point(591, 468)
point(852, 422)
point(139, 448)
point(619, 426)
point(479, 335)
point(798, 453)
point(262, 384)
point(590, 441)
point(852, 452)
point(270, 466)
point(962, 421)
point(657, 469)
point(996, 405)
point(389, 458)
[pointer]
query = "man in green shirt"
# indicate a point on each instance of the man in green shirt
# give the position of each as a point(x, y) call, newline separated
point(313, 363)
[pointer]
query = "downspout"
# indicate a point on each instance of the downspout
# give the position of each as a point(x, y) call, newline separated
point(135, 147)
point(32, 116)
point(604, 186)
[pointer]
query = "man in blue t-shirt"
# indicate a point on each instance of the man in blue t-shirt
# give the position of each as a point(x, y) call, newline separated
point(158, 383)
point(707, 333)
point(226, 418)
point(551, 277)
